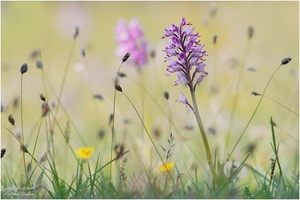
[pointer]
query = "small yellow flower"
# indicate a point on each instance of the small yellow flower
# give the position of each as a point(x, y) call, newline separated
point(167, 167)
point(85, 152)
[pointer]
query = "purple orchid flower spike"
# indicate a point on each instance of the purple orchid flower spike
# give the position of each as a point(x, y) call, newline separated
point(185, 54)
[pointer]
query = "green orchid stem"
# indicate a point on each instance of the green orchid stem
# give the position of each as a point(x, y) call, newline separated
point(204, 137)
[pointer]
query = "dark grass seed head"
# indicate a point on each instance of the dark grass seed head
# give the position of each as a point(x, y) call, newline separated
point(215, 39)
point(42, 97)
point(212, 130)
point(157, 132)
point(126, 121)
point(39, 64)
point(3, 151)
point(127, 55)
point(255, 93)
point(250, 148)
point(122, 171)
point(118, 88)
point(272, 166)
point(253, 69)
point(45, 109)
point(166, 95)
point(121, 74)
point(213, 12)
point(250, 32)
point(119, 150)
point(24, 68)
point(15, 102)
point(29, 167)
point(111, 117)
point(153, 54)
point(11, 120)
point(285, 60)
point(188, 127)
point(83, 52)
point(76, 33)
point(101, 133)
point(98, 96)
point(43, 158)
point(24, 148)
point(34, 54)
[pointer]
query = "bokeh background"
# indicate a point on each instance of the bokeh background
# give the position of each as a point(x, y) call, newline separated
point(50, 26)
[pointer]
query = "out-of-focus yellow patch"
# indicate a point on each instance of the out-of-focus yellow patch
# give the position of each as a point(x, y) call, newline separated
point(85, 152)
point(167, 167)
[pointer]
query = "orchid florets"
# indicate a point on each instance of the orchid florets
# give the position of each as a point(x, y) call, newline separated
point(185, 54)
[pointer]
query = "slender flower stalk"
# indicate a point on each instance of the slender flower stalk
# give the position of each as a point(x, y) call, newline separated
point(185, 56)
point(23, 69)
point(284, 61)
point(117, 87)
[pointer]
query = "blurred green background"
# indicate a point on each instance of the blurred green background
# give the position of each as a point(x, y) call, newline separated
point(49, 26)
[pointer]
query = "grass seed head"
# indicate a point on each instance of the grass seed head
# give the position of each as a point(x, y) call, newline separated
point(76, 33)
point(285, 60)
point(45, 109)
point(29, 167)
point(11, 120)
point(42, 97)
point(39, 64)
point(250, 32)
point(43, 158)
point(24, 148)
point(24, 68)
point(98, 96)
point(3, 151)
point(34, 54)
point(101, 133)
point(215, 39)
point(255, 93)
point(118, 88)
point(119, 149)
point(121, 74)
point(83, 53)
point(153, 53)
point(166, 95)
point(15, 102)
point(127, 55)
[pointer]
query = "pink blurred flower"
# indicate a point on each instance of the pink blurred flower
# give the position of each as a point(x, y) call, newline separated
point(130, 38)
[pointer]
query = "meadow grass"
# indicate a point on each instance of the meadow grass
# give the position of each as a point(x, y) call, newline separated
point(170, 161)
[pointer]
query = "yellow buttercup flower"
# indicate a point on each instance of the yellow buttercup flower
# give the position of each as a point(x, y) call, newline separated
point(85, 152)
point(166, 167)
